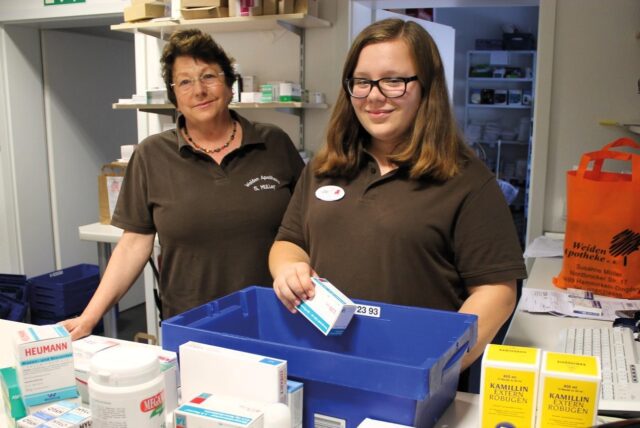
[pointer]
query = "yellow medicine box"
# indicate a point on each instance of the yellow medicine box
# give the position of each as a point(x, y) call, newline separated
point(508, 388)
point(569, 390)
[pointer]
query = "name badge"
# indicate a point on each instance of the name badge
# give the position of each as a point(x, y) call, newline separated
point(330, 193)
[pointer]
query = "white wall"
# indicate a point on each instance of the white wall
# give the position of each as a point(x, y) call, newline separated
point(28, 10)
point(596, 67)
point(84, 75)
point(27, 176)
point(9, 255)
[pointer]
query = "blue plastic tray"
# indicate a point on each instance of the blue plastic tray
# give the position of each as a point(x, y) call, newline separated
point(401, 367)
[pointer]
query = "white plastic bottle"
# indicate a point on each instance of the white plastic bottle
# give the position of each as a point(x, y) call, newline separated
point(277, 415)
point(126, 389)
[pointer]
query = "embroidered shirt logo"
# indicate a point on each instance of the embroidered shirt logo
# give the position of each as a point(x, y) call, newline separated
point(264, 182)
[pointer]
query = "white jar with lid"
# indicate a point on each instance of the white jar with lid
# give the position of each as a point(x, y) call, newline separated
point(126, 388)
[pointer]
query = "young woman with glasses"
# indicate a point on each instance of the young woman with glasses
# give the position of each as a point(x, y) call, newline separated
point(395, 207)
point(214, 190)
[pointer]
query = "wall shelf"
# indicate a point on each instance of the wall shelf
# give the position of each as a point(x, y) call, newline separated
point(163, 28)
point(169, 110)
point(503, 106)
point(500, 79)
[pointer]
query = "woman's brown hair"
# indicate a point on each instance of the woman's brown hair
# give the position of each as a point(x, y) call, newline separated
point(198, 45)
point(434, 147)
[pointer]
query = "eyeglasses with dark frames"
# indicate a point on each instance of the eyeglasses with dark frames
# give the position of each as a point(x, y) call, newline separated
point(390, 87)
point(210, 79)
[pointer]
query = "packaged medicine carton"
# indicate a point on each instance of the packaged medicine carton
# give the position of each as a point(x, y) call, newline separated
point(329, 310)
point(11, 393)
point(44, 360)
point(569, 390)
point(83, 350)
point(230, 372)
point(54, 411)
point(169, 368)
point(295, 391)
point(289, 92)
point(508, 386)
point(80, 417)
point(30, 421)
point(208, 411)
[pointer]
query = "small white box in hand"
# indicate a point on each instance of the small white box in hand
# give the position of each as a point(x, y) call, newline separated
point(329, 310)
point(230, 372)
point(44, 360)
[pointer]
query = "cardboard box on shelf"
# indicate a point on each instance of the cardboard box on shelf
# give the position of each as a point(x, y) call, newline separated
point(109, 183)
point(285, 6)
point(146, 1)
point(204, 12)
point(269, 7)
point(310, 7)
point(142, 11)
point(204, 3)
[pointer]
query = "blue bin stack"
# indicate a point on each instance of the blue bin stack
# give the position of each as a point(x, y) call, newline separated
point(62, 294)
point(14, 297)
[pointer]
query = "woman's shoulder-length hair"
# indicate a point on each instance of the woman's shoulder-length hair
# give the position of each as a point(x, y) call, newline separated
point(434, 147)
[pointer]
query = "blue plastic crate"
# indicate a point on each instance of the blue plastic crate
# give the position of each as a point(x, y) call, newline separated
point(15, 287)
point(12, 309)
point(8, 278)
point(18, 292)
point(401, 367)
point(68, 280)
point(62, 305)
point(64, 292)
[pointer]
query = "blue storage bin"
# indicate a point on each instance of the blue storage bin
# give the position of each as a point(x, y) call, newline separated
point(60, 305)
point(12, 309)
point(9, 278)
point(62, 293)
point(71, 279)
point(401, 367)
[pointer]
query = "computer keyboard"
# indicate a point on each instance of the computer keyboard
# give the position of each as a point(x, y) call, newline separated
point(619, 358)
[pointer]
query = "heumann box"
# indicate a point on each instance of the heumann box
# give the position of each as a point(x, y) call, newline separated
point(569, 390)
point(44, 362)
point(400, 365)
point(508, 386)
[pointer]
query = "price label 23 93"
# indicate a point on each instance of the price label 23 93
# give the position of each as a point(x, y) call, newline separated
point(368, 311)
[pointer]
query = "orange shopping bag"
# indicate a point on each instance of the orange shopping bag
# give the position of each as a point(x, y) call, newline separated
point(602, 236)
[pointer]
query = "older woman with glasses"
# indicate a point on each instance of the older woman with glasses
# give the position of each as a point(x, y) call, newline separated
point(395, 207)
point(214, 190)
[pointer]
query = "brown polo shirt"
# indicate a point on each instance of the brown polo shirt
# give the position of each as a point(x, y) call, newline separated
point(215, 223)
point(397, 240)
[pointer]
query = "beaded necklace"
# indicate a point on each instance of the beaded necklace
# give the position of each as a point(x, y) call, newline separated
point(212, 151)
